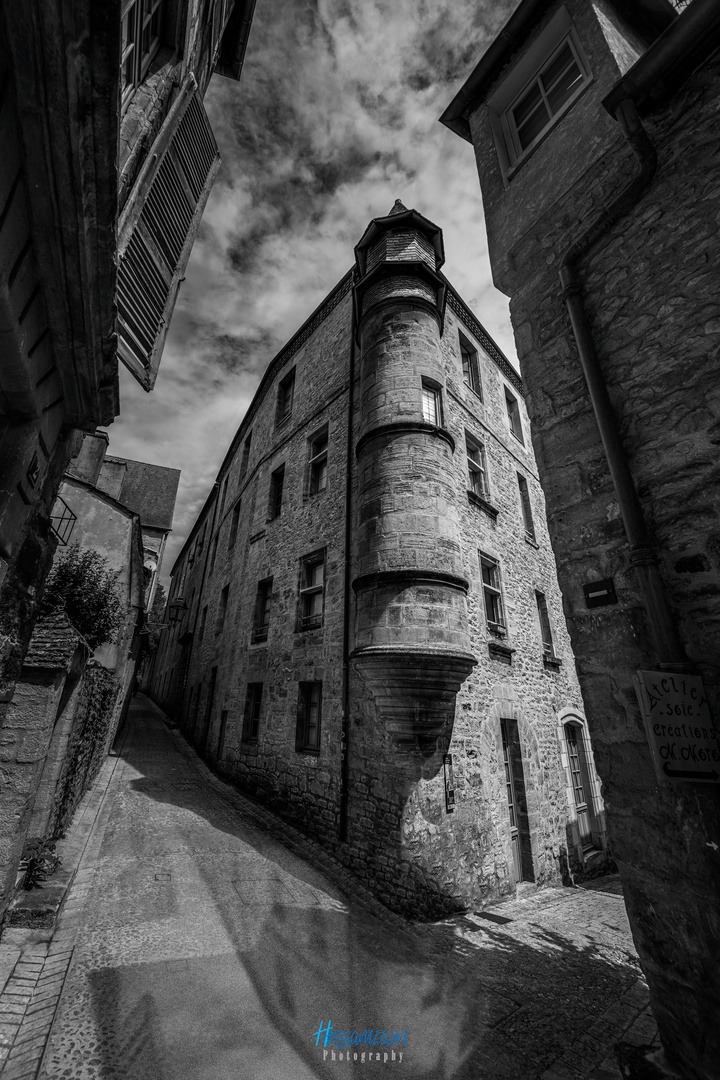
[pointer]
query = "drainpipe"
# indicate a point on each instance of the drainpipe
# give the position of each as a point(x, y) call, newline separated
point(643, 556)
point(345, 730)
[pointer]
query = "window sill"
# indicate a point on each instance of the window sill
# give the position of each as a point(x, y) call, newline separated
point(256, 536)
point(258, 639)
point(531, 541)
point(475, 393)
point(307, 751)
point(249, 746)
point(483, 504)
point(300, 629)
point(499, 651)
point(552, 661)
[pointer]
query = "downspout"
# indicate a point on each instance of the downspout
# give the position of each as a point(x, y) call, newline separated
point(643, 556)
point(345, 729)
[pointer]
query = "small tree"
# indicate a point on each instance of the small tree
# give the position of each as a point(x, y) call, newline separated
point(82, 584)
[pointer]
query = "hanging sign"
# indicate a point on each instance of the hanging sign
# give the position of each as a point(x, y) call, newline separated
point(684, 741)
point(449, 783)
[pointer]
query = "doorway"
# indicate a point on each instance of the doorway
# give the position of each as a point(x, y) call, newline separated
point(517, 802)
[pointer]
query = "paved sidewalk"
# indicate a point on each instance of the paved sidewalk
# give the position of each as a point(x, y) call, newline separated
point(204, 939)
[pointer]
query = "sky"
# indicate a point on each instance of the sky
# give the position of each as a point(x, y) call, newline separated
point(335, 116)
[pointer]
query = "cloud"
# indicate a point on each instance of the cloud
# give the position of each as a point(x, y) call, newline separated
point(335, 117)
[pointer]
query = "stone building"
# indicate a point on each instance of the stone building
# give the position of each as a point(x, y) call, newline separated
point(595, 133)
point(108, 158)
point(70, 698)
point(373, 639)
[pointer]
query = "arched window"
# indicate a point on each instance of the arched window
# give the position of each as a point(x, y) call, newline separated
point(580, 782)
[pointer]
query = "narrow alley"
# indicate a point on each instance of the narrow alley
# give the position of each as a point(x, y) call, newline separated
point(203, 939)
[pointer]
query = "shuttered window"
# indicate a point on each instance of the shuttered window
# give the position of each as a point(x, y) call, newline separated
point(154, 258)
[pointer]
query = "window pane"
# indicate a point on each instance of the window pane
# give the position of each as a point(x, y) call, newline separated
point(536, 123)
point(527, 105)
point(564, 88)
point(430, 405)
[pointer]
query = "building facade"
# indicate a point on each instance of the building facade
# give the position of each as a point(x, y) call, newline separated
point(108, 158)
point(373, 639)
point(594, 133)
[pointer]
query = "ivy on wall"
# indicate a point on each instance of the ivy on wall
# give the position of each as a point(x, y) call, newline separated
point(87, 746)
point(82, 584)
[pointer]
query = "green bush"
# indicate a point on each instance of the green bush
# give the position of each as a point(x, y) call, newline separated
point(82, 584)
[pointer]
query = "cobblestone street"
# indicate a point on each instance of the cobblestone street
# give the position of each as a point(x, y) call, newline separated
point(204, 939)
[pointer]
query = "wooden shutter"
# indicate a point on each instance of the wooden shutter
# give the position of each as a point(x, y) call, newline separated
point(158, 229)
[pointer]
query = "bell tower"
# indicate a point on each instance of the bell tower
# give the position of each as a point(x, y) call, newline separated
point(412, 643)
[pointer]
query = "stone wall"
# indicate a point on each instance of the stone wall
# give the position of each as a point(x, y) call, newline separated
point(650, 292)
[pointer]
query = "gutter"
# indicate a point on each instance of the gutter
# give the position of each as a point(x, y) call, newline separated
point(668, 57)
point(347, 594)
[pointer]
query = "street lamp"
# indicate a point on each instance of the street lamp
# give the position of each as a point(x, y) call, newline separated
point(176, 610)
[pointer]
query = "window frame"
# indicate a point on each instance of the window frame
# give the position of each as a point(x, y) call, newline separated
point(245, 455)
point(529, 64)
point(474, 381)
point(430, 387)
point(309, 589)
point(546, 633)
point(517, 151)
point(303, 744)
point(318, 458)
point(493, 589)
point(223, 603)
point(471, 443)
point(261, 614)
point(526, 508)
point(512, 410)
point(275, 493)
point(252, 712)
point(285, 399)
point(138, 20)
point(234, 525)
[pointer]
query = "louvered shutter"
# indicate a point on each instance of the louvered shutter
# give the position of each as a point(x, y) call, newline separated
point(158, 230)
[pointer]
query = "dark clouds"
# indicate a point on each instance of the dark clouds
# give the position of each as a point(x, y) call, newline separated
point(334, 118)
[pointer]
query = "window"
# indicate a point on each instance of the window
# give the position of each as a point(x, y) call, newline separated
point(213, 553)
point(307, 735)
point(471, 369)
point(545, 630)
point(245, 455)
point(513, 411)
point(312, 589)
point(286, 390)
point(234, 522)
point(525, 507)
point(318, 462)
point(276, 493)
point(431, 403)
point(223, 496)
point(203, 619)
point(490, 571)
point(580, 781)
point(222, 609)
point(261, 619)
point(141, 26)
point(251, 716)
point(552, 88)
point(477, 467)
